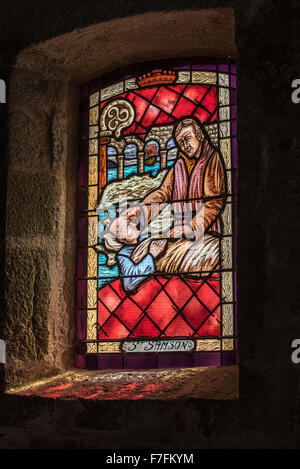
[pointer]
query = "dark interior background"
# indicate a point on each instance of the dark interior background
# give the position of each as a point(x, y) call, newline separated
point(268, 410)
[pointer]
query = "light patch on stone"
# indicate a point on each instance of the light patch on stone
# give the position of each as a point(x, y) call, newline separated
point(127, 376)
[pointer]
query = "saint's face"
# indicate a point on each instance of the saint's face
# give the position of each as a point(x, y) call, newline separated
point(189, 142)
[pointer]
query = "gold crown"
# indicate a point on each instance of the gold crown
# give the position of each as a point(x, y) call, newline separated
point(157, 77)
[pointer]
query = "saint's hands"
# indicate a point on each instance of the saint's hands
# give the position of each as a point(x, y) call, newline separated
point(157, 247)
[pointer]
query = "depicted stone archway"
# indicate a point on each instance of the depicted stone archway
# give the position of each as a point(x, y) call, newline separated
point(41, 197)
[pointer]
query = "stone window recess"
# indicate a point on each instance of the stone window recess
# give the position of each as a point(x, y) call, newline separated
point(40, 325)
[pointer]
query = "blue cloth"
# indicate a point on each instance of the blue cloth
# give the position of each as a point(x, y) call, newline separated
point(130, 272)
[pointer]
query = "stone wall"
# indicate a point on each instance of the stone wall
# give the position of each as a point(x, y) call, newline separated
point(40, 230)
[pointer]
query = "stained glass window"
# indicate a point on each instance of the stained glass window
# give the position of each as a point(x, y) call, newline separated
point(156, 279)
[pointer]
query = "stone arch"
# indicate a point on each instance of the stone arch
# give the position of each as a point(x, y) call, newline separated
point(153, 140)
point(131, 144)
point(112, 144)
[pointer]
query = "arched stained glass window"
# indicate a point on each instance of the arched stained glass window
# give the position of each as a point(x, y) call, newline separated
point(156, 217)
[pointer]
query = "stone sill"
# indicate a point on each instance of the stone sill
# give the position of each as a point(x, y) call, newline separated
point(165, 384)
